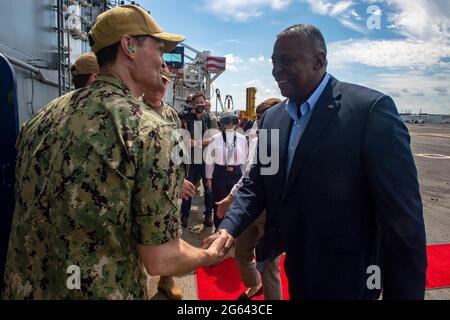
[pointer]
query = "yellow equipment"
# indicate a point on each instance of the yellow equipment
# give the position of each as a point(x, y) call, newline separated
point(250, 103)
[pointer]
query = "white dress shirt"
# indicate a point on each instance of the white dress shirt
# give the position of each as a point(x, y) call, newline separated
point(251, 159)
point(226, 153)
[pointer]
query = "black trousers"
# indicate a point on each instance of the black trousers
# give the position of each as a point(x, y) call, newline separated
point(197, 171)
point(224, 178)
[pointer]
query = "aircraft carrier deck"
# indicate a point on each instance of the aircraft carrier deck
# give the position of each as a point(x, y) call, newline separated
point(431, 148)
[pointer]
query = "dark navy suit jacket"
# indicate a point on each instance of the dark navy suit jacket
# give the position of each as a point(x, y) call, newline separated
point(351, 200)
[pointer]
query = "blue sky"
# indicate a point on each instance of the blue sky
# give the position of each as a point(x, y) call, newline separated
point(407, 57)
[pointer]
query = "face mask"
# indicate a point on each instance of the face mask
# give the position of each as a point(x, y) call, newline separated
point(199, 108)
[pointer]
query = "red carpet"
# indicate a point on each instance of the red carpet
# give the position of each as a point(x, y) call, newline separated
point(438, 273)
point(223, 282)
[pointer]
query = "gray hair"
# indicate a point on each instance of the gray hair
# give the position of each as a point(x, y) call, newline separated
point(308, 32)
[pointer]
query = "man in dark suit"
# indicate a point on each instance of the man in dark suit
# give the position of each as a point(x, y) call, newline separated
point(345, 201)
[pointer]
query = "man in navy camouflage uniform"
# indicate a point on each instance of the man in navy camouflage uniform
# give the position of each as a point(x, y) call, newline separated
point(96, 188)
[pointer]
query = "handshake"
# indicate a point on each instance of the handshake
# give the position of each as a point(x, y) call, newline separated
point(218, 245)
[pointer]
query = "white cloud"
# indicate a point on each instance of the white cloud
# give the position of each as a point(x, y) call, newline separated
point(269, 92)
point(253, 83)
point(233, 59)
point(425, 25)
point(414, 90)
point(258, 74)
point(323, 7)
point(265, 89)
point(233, 62)
point(351, 25)
point(413, 67)
point(355, 15)
point(340, 10)
point(413, 81)
point(409, 63)
point(421, 19)
point(259, 58)
point(340, 7)
point(388, 53)
point(279, 4)
point(242, 11)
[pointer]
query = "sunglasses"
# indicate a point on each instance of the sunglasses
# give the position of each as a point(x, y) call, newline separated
point(227, 121)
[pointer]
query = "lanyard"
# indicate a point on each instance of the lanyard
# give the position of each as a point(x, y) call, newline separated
point(229, 148)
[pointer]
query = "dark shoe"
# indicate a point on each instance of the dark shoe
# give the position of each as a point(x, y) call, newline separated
point(184, 221)
point(244, 295)
point(208, 222)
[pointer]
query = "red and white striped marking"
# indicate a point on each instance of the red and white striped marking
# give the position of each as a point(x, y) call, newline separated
point(216, 63)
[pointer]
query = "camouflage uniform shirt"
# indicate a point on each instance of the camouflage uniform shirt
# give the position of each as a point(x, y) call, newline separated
point(170, 115)
point(93, 178)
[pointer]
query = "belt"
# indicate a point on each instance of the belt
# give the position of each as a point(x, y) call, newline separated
point(228, 168)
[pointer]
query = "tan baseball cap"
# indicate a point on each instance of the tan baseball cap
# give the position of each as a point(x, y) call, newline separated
point(85, 64)
point(166, 74)
point(128, 20)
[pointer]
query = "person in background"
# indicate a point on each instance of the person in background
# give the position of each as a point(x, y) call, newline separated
point(225, 159)
point(208, 106)
point(201, 122)
point(186, 111)
point(189, 99)
point(85, 70)
point(245, 245)
point(154, 99)
point(248, 125)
